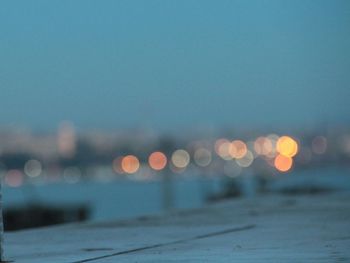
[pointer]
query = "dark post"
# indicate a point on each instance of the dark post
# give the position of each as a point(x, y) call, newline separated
point(168, 191)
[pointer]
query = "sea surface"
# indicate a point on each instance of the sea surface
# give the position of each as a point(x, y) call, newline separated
point(124, 198)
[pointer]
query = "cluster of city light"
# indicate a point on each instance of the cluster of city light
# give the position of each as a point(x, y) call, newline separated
point(287, 148)
point(277, 151)
point(245, 153)
point(157, 161)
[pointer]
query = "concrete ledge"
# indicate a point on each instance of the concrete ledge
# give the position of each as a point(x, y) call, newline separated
point(269, 228)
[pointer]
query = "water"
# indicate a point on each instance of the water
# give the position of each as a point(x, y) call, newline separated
point(116, 199)
point(124, 198)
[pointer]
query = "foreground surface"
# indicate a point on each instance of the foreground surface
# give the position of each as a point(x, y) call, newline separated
point(270, 228)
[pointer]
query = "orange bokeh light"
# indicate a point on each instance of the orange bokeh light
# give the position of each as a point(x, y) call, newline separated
point(283, 163)
point(217, 145)
point(130, 164)
point(157, 161)
point(287, 146)
point(238, 149)
point(222, 148)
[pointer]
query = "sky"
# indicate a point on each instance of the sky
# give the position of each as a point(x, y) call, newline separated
point(170, 64)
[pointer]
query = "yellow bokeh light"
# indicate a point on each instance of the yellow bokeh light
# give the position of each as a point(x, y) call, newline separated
point(287, 146)
point(180, 158)
point(130, 164)
point(238, 149)
point(283, 163)
point(157, 161)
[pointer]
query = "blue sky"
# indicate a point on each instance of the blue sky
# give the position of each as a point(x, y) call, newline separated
point(169, 64)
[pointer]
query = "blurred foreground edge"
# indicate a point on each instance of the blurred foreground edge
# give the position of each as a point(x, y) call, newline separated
point(38, 215)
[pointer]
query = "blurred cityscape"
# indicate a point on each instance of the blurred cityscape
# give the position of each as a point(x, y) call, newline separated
point(115, 112)
point(70, 156)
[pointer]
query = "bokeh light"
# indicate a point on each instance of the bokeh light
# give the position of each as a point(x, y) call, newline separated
point(202, 157)
point(117, 165)
point(246, 160)
point(130, 164)
point(222, 148)
point(238, 149)
point(66, 139)
point(273, 139)
point(157, 161)
point(180, 158)
point(283, 163)
point(263, 146)
point(33, 168)
point(319, 145)
point(14, 178)
point(344, 142)
point(287, 146)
